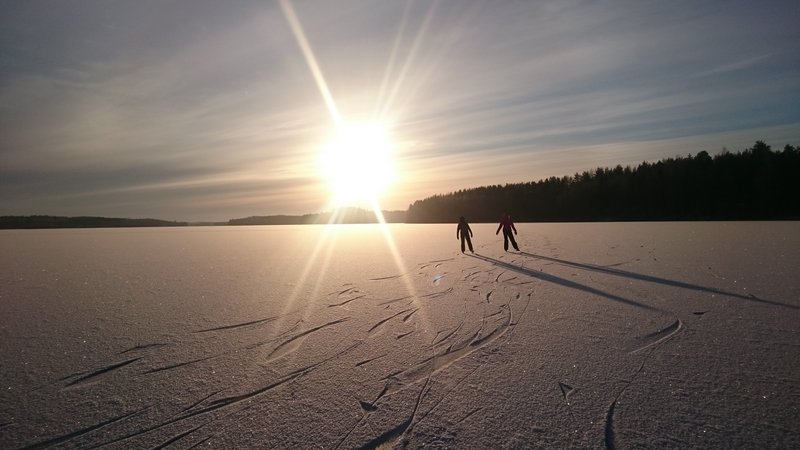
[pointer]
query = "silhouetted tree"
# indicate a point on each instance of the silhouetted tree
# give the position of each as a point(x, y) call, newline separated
point(756, 183)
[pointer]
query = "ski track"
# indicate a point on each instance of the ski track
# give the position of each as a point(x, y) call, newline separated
point(92, 376)
point(177, 365)
point(141, 347)
point(660, 336)
point(63, 439)
point(239, 325)
point(381, 322)
point(285, 347)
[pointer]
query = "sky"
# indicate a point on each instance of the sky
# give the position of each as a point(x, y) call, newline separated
point(202, 110)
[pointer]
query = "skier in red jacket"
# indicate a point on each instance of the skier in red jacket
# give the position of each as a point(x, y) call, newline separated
point(507, 225)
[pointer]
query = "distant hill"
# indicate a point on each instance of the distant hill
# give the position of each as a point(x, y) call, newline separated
point(343, 215)
point(24, 222)
point(756, 184)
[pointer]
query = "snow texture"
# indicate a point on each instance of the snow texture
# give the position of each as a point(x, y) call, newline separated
point(613, 335)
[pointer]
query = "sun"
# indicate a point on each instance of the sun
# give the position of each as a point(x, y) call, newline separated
point(357, 163)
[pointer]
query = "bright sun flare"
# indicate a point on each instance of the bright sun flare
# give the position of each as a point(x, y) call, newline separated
point(358, 163)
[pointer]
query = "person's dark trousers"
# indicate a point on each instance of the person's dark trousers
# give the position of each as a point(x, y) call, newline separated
point(509, 235)
point(469, 242)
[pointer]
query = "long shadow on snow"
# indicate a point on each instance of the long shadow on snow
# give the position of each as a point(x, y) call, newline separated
point(563, 282)
point(652, 279)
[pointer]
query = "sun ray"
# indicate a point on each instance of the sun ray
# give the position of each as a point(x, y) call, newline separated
point(301, 280)
point(399, 263)
point(392, 58)
point(409, 60)
point(311, 60)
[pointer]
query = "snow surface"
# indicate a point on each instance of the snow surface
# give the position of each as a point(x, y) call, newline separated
point(615, 335)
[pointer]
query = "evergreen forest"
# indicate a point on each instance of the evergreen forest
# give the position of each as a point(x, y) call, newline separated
point(755, 184)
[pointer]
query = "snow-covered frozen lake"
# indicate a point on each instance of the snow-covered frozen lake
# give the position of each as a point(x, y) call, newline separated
point(615, 335)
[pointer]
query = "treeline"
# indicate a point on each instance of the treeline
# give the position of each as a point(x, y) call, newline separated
point(23, 222)
point(755, 184)
point(342, 215)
